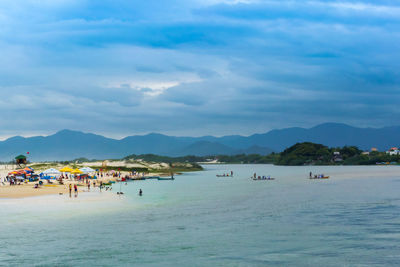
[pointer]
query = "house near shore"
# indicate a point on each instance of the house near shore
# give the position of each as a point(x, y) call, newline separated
point(394, 151)
point(337, 157)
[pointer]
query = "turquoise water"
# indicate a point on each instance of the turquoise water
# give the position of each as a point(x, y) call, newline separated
point(352, 219)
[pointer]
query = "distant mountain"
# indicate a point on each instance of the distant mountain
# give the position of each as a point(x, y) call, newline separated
point(329, 134)
point(254, 150)
point(67, 145)
point(205, 148)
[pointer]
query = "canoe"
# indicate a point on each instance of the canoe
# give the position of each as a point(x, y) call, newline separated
point(152, 177)
point(256, 179)
point(325, 177)
point(166, 179)
point(219, 175)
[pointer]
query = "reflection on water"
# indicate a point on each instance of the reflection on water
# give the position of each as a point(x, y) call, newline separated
point(199, 219)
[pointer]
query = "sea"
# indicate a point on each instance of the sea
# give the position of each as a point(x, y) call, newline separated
point(350, 219)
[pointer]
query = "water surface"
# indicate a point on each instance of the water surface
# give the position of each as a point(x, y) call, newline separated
point(201, 220)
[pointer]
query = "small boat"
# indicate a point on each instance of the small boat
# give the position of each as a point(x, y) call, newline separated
point(166, 178)
point(262, 179)
point(152, 177)
point(221, 175)
point(320, 177)
point(107, 184)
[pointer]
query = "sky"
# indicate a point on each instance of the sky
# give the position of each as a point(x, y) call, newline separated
point(196, 67)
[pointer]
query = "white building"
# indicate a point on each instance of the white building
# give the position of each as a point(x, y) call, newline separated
point(393, 151)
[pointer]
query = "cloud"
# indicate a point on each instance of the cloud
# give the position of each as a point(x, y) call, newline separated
point(196, 67)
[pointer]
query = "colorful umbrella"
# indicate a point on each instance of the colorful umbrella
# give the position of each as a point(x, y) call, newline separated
point(77, 171)
point(66, 169)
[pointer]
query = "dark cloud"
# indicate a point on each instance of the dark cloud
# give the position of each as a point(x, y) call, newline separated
point(197, 67)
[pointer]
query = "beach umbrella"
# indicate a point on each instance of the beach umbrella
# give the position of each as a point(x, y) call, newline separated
point(87, 170)
point(66, 169)
point(76, 171)
point(28, 170)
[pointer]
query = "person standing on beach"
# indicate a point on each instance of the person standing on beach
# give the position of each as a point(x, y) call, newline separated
point(88, 186)
point(76, 190)
point(70, 190)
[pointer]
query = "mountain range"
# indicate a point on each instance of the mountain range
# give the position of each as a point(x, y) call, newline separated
point(67, 144)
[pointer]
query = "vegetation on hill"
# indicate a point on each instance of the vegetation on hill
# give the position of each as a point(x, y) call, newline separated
point(316, 154)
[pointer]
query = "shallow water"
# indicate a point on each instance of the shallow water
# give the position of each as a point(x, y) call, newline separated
point(198, 219)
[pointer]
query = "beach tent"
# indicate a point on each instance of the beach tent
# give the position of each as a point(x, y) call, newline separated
point(77, 171)
point(50, 174)
point(51, 171)
point(66, 169)
point(87, 170)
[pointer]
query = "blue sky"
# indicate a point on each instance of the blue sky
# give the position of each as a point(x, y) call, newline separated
point(211, 67)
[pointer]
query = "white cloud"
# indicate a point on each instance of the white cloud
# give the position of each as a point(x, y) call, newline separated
point(181, 68)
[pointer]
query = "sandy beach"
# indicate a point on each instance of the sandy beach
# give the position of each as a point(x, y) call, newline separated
point(28, 190)
point(25, 190)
